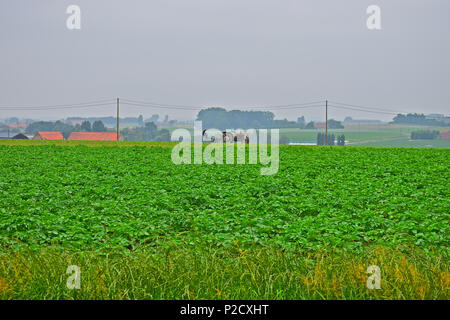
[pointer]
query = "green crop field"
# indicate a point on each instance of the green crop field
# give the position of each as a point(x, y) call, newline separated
point(383, 135)
point(143, 227)
point(351, 135)
point(406, 142)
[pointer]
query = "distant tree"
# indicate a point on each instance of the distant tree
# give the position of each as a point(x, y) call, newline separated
point(426, 135)
point(166, 119)
point(341, 140)
point(321, 139)
point(285, 123)
point(12, 120)
point(98, 126)
point(60, 126)
point(310, 125)
point(255, 124)
point(163, 135)
point(141, 121)
point(284, 139)
point(419, 119)
point(331, 140)
point(150, 131)
point(64, 128)
point(154, 118)
point(334, 124)
point(222, 119)
point(86, 126)
point(34, 127)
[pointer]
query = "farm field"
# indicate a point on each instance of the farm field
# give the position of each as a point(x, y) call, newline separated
point(350, 135)
point(372, 135)
point(406, 142)
point(101, 204)
point(382, 135)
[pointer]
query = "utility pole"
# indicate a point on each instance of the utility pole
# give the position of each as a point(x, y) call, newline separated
point(117, 119)
point(326, 122)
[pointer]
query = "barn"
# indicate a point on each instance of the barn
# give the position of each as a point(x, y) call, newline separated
point(20, 136)
point(445, 134)
point(49, 135)
point(96, 136)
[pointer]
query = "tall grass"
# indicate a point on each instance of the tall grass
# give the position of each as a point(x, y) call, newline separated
point(171, 272)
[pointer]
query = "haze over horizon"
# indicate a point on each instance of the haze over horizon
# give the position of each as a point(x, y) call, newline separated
point(225, 53)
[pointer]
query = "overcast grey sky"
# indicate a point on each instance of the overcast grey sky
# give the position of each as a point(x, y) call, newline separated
point(225, 53)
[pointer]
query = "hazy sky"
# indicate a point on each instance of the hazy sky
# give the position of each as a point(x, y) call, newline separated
point(225, 53)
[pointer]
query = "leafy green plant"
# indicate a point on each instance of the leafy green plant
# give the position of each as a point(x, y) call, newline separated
point(93, 196)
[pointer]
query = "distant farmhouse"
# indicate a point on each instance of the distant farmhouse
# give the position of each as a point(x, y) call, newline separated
point(438, 117)
point(54, 135)
point(18, 126)
point(93, 136)
point(99, 136)
point(6, 135)
point(319, 125)
point(351, 121)
point(434, 116)
point(445, 134)
point(20, 136)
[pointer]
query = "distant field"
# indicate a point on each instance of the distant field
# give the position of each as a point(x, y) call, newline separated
point(372, 135)
point(406, 142)
point(351, 136)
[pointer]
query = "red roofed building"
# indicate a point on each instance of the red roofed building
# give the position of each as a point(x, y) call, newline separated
point(19, 125)
point(320, 125)
point(99, 136)
point(445, 134)
point(56, 135)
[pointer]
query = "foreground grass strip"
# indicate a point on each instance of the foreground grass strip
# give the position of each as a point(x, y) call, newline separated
point(172, 272)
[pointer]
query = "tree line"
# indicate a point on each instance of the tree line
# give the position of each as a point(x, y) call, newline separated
point(149, 132)
point(418, 119)
point(424, 134)
point(221, 119)
point(65, 128)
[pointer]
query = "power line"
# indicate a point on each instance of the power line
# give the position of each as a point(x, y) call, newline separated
point(362, 110)
point(366, 107)
point(202, 108)
point(56, 106)
point(147, 104)
point(137, 103)
point(157, 106)
point(295, 105)
point(188, 107)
